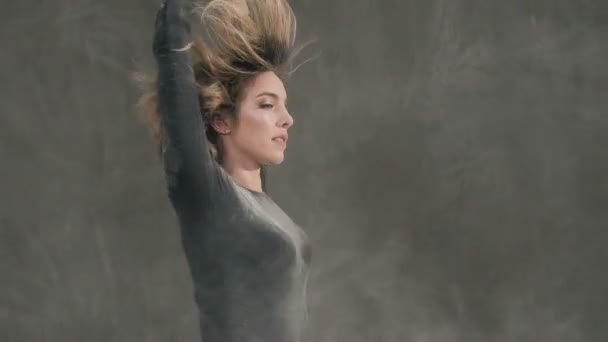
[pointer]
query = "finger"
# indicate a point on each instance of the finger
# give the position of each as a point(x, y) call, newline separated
point(185, 48)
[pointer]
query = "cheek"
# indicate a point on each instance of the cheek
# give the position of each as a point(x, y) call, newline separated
point(255, 132)
point(256, 128)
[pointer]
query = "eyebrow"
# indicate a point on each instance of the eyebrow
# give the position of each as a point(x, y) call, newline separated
point(267, 93)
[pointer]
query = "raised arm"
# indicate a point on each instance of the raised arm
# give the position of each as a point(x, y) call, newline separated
point(190, 171)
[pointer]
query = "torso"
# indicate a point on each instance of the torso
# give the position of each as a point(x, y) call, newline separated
point(250, 265)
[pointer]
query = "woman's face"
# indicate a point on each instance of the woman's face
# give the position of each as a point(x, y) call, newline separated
point(259, 135)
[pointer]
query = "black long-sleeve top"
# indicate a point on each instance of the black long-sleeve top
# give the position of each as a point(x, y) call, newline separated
point(249, 261)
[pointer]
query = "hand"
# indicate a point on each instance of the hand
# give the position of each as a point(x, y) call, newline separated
point(171, 29)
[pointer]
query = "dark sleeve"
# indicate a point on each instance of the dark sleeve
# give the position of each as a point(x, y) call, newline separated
point(191, 173)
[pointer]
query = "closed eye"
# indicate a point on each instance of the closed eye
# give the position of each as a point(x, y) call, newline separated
point(266, 106)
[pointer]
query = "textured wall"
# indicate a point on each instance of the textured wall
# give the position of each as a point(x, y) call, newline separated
point(448, 161)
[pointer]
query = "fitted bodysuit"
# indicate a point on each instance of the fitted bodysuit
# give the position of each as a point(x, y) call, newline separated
point(248, 260)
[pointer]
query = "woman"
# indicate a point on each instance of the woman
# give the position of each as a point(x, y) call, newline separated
point(219, 119)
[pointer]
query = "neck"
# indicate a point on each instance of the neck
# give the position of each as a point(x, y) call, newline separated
point(247, 176)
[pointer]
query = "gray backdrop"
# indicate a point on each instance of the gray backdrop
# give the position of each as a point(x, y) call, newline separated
point(448, 161)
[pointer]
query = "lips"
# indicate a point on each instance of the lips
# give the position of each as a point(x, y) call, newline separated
point(281, 138)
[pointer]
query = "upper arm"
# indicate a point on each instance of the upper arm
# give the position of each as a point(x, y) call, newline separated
point(191, 173)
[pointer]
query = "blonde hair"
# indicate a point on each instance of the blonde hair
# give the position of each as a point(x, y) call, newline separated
point(244, 39)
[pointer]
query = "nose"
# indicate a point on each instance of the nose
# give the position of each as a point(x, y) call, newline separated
point(286, 120)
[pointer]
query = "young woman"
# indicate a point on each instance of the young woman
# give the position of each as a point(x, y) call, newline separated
point(219, 118)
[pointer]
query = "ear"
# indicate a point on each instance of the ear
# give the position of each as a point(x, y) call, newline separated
point(222, 124)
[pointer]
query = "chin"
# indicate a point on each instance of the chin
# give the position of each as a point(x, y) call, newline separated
point(275, 159)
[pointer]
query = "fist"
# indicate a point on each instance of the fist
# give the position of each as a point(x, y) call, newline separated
point(171, 27)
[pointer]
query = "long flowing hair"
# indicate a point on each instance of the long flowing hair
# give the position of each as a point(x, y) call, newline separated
point(242, 39)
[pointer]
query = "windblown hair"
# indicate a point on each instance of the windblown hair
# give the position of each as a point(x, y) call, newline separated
point(244, 39)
